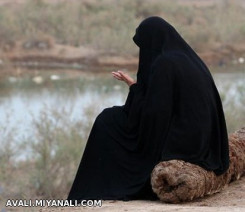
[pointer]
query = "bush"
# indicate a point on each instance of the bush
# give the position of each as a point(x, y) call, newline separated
point(109, 25)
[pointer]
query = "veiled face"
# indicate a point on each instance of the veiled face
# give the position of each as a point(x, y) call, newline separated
point(150, 33)
point(155, 34)
point(135, 38)
point(155, 37)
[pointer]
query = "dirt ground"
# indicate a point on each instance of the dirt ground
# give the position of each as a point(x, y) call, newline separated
point(232, 198)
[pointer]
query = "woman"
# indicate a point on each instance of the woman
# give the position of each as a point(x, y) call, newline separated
point(173, 111)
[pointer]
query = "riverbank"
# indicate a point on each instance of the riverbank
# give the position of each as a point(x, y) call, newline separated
point(41, 35)
point(87, 59)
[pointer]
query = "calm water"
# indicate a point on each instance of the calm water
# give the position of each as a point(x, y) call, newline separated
point(23, 98)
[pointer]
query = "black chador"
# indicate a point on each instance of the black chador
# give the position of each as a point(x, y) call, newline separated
point(173, 111)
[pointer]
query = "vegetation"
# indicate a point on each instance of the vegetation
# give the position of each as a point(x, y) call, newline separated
point(52, 156)
point(56, 143)
point(108, 25)
point(54, 147)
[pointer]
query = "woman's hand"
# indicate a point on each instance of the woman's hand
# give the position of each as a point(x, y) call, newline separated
point(123, 77)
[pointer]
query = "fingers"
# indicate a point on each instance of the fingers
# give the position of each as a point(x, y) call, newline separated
point(124, 76)
point(120, 75)
point(117, 75)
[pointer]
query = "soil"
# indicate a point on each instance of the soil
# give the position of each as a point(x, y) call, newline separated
point(59, 56)
point(232, 198)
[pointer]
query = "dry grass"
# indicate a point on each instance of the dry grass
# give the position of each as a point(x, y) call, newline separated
point(53, 154)
point(108, 25)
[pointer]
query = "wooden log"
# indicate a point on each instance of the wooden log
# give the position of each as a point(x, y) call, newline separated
point(177, 181)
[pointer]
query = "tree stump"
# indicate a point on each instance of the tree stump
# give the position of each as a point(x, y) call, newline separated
point(177, 181)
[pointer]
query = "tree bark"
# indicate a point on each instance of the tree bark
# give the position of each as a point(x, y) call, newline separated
point(177, 181)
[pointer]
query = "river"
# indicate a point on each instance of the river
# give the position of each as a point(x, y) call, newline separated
point(24, 98)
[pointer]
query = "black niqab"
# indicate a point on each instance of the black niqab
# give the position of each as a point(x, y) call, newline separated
point(174, 111)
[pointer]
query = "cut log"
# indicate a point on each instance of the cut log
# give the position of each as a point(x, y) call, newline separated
point(177, 181)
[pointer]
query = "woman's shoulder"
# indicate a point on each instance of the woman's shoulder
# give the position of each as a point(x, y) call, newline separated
point(170, 59)
point(163, 67)
point(163, 61)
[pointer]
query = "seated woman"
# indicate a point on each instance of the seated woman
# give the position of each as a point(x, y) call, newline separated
point(173, 111)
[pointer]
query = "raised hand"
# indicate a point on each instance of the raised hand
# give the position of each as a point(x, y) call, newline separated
point(120, 75)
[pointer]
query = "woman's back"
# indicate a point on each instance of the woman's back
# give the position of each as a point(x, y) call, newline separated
point(197, 129)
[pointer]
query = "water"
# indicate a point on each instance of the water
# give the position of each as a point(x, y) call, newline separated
point(23, 98)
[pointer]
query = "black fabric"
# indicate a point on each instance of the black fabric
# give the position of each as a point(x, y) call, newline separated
point(174, 111)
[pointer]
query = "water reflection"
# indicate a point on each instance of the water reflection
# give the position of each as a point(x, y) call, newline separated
point(22, 99)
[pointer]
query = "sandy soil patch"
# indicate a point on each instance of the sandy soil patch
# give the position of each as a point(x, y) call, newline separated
point(232, 198)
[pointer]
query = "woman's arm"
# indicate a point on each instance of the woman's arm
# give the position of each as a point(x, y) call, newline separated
point(123, 77)
point(119, 75)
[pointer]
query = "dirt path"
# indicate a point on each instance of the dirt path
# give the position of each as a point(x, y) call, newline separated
point(231, 198)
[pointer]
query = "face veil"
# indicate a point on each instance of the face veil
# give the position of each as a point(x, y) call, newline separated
point(155, 37)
